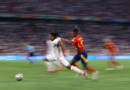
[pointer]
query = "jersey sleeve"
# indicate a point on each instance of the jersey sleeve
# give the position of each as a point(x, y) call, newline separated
point(48, 42)
point(74, 40)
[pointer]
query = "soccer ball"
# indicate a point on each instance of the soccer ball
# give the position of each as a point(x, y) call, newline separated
point(19, 77)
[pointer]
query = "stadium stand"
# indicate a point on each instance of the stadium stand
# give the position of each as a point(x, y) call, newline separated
point(14, 36)
point(89, 8)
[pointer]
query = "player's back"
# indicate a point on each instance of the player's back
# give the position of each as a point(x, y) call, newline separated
point(30, 48)
point(78, 42)
point(110, 46)
point(57, 48)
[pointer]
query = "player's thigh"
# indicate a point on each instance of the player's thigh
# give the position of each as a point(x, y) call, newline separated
point(50, 57)
point(75, 59)
point(63, 61)
point(83, 58)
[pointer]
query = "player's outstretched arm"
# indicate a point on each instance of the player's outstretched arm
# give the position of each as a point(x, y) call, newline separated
point(66, 41)
point(62, 47)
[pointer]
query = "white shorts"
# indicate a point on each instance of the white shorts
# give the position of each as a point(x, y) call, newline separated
point(50, 57)
point(63, 61)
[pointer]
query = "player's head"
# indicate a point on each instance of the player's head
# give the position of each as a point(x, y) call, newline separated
point(53, 35)
point(75, 33)
point(107, 40)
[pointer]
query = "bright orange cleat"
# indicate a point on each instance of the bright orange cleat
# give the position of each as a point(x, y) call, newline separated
point(51, 70)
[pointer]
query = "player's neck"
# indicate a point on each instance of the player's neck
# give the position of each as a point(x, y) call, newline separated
point(76, 36)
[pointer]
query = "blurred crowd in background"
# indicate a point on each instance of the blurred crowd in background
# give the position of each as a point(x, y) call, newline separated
point(13, 37)
point(87, 8)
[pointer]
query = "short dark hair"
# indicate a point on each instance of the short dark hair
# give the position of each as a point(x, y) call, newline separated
point(75, 30)
point(55, 34)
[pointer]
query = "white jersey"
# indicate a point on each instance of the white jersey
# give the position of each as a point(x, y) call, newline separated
point(50, 49)
point(57, 49)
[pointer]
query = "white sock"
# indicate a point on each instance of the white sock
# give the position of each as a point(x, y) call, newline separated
point(49, 65)
point(57, 63)
point(73, 68)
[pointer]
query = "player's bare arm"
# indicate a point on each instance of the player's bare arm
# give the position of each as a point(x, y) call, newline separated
point(66, 41)
point(62, 47)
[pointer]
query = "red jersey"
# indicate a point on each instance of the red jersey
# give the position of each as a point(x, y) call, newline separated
point(78, 42)
point(111, 47)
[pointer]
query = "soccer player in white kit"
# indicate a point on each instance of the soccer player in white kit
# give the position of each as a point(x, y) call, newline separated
point(59, 51)
point(50, 60)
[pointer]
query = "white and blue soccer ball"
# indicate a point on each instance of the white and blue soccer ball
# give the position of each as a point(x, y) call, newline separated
point(19, 77)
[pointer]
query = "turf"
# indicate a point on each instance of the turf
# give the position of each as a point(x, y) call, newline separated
point(35, 77)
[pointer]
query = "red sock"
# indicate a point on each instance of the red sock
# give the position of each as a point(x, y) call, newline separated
point(116, 63)
point(113, 62)
point(75, 65)
point(90, 69)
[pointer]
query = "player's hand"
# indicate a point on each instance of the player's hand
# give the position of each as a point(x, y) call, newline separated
point(69, 33)
point(64, 54)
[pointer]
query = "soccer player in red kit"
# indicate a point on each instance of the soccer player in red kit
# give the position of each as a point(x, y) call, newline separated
point(111, 49)
point(81, 55)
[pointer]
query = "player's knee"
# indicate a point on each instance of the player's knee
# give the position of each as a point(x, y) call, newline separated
point(69, 66)
point(45, 59)
point(85, 66)
point(73, 62)
point(114, 62)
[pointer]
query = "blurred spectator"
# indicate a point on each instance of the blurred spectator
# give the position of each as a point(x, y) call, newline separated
point(88, 8)
point(14, 36)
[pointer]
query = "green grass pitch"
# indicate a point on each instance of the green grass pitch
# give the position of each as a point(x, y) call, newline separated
point(36, 79)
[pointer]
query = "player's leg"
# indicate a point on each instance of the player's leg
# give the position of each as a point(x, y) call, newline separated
point(55, 62)
point(35, 61)
point(60, 67)
point(73, 62)
point(28, 58)
point(71, 67)
point(114, 62)
point(110, 65)
point(50, 66)
point(75, 59)
point(83, 58)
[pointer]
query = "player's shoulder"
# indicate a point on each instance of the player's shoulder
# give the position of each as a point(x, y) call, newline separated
point(112, 43)
point(48, 41)
point(31, 46)
point(56, 40)
point(79, 36)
